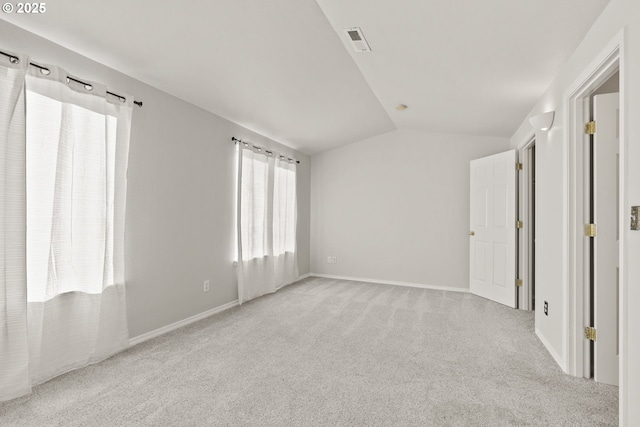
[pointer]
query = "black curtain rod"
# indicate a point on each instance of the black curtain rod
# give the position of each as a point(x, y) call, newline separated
point(45, 70)
point(268, 152)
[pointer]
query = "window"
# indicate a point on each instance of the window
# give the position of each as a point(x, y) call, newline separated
point(284, 208)
point(255, 204)
point(70, 197)
point(267, 223)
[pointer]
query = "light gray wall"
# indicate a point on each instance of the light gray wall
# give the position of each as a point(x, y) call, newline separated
point(181, 194)
point(396, 207)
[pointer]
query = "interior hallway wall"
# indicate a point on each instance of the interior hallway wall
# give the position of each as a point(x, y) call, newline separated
point(551, 285)
point(395, 207)
point(181, 194)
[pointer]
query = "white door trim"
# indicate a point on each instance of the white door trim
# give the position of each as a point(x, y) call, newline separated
point(611, 58)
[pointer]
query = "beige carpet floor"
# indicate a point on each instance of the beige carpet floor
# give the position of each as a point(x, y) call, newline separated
point(328, 352)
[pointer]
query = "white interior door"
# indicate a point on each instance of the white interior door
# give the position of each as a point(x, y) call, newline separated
point(605, 168)
point(492, 236)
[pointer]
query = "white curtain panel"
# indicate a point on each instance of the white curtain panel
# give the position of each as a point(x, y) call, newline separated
point(14, 357)
point(284, 222)
point(77, 153)
point(266, 224)
point(62, 202)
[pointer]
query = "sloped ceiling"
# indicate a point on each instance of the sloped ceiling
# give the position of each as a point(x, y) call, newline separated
point(463, 66)
point(285, 69)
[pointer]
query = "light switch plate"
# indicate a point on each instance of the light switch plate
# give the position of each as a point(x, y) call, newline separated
point(635, 212)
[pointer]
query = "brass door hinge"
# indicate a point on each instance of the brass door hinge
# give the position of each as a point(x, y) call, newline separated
point(590, 230)
point(518, 224)
point(590, 128)
point(518, 166)
point(590, 333)
point(518, 282)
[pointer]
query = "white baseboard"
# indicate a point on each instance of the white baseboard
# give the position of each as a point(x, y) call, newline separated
point(179, 324)
point(559, 360)
point(392, 282)
point(304, 276)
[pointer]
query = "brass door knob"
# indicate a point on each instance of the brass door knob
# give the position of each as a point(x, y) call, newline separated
point(471, 233)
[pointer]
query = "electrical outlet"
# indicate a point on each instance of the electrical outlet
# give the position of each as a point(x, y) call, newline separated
point(334, 260)
point(206, 286)
point(546, 308)
point(635, 215)
point(328, 260)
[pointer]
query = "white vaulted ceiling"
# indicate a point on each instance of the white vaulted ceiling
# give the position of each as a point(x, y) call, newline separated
point(463, 66)
point(284, 68)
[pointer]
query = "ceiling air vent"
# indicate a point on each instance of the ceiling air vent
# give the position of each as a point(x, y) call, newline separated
point(357, 39)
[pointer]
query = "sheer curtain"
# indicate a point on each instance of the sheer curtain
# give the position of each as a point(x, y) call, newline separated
point(14, 356)
point(266, 225)
point(284, 222)
point(69, 190)
point(77, 152)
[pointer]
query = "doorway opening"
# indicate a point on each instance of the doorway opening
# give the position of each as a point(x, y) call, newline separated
point(531, 219)
point(527, 234)
point(603, 199)
point(582, 297)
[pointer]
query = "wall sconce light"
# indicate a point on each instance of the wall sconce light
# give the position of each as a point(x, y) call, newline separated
point(543, 121)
